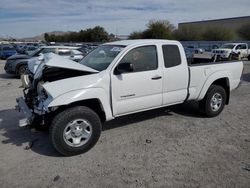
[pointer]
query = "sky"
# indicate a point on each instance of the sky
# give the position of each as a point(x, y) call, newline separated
point(27, 18)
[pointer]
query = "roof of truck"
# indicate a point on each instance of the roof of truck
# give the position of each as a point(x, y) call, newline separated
point(140, 41)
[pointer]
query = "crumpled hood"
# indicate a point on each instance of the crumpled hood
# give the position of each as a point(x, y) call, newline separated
point(53, 60)
point(18, 56)
point(60, 87)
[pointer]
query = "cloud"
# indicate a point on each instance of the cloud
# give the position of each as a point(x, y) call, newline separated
point(21, 18)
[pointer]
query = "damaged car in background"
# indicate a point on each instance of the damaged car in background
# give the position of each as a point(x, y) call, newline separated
point(117, 79)
point(17, 64)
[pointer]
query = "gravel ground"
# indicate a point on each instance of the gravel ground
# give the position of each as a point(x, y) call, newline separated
point(170, 147)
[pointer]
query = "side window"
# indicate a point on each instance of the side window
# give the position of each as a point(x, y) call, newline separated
point(171, 55)
point(143, 58)
point(243, 47)
point(238, 47)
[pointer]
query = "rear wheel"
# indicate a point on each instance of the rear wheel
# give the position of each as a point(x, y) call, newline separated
point(214, 101)
point(75, 131)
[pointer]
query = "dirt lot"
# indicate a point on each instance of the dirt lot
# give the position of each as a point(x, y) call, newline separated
point(173, 147)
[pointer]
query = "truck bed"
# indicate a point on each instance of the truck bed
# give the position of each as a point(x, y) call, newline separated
point(200, 75)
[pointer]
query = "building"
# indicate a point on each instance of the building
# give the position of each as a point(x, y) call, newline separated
point(232, 24)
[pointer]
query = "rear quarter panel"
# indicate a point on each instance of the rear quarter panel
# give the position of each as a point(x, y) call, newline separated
point(202, 76)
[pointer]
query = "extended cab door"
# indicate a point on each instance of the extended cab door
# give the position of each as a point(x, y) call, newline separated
point(140, 89)
point(175, 74)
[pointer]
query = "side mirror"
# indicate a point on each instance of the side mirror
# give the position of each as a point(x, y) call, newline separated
point(123, 68)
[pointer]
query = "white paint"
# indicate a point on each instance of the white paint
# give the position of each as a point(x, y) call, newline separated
point(132, 92)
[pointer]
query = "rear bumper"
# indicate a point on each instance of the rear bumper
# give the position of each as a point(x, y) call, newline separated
point(22, 106)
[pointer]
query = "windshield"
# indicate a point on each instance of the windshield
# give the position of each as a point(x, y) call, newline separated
point(228, 46)
point(100, 58)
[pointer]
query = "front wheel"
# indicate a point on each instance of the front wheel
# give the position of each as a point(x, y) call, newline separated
point(214, 101)
point(22, 70)
point(75, 130)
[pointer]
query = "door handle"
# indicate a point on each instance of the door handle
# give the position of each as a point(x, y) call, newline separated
point(156, 78)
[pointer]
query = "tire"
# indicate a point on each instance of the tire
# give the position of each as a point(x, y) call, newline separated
point(248, 58)
point(230, 57)
point(64, 135)
point(22, 70)
point(239, 57)
point(214, 101)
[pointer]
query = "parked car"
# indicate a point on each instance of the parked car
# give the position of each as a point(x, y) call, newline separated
point(190, 51)
point(19, 48)
point(73, 54)
point(6, 51)
point(84, 50)
point(117, 79)
point(230, 50)
point(17, 64)
point(30, 49)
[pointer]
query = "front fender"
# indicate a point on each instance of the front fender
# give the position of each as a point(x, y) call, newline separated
point(84, 94)
point(215, 76)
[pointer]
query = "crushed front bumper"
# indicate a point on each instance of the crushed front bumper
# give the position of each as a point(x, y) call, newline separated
point(22, 106)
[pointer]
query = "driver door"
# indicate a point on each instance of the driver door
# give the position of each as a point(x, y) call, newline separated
point(140, 89)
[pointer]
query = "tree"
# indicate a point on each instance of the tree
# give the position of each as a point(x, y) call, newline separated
point(98, 34)
point(244, 32)
point(217, 34)
point(46, 37)
point(136, 35)
point(188, 33)
point(112, 37)
point(159, 29)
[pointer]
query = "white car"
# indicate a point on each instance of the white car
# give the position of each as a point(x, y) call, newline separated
point(228, 50)
point(117, 79)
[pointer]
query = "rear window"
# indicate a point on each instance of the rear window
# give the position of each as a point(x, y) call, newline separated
point(171, 55)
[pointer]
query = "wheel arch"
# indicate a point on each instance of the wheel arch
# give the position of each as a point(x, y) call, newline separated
point(221, 79)
point(19, 65)
point(94, 98)
point(224, 82)
point(94, 104)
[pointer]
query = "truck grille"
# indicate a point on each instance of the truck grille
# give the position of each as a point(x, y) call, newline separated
point(218, 51)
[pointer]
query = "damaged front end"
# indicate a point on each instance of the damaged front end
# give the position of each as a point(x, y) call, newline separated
point(36, 100)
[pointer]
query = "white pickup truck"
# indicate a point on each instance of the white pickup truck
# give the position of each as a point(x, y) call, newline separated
point(117, 79)
point(229, 50)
